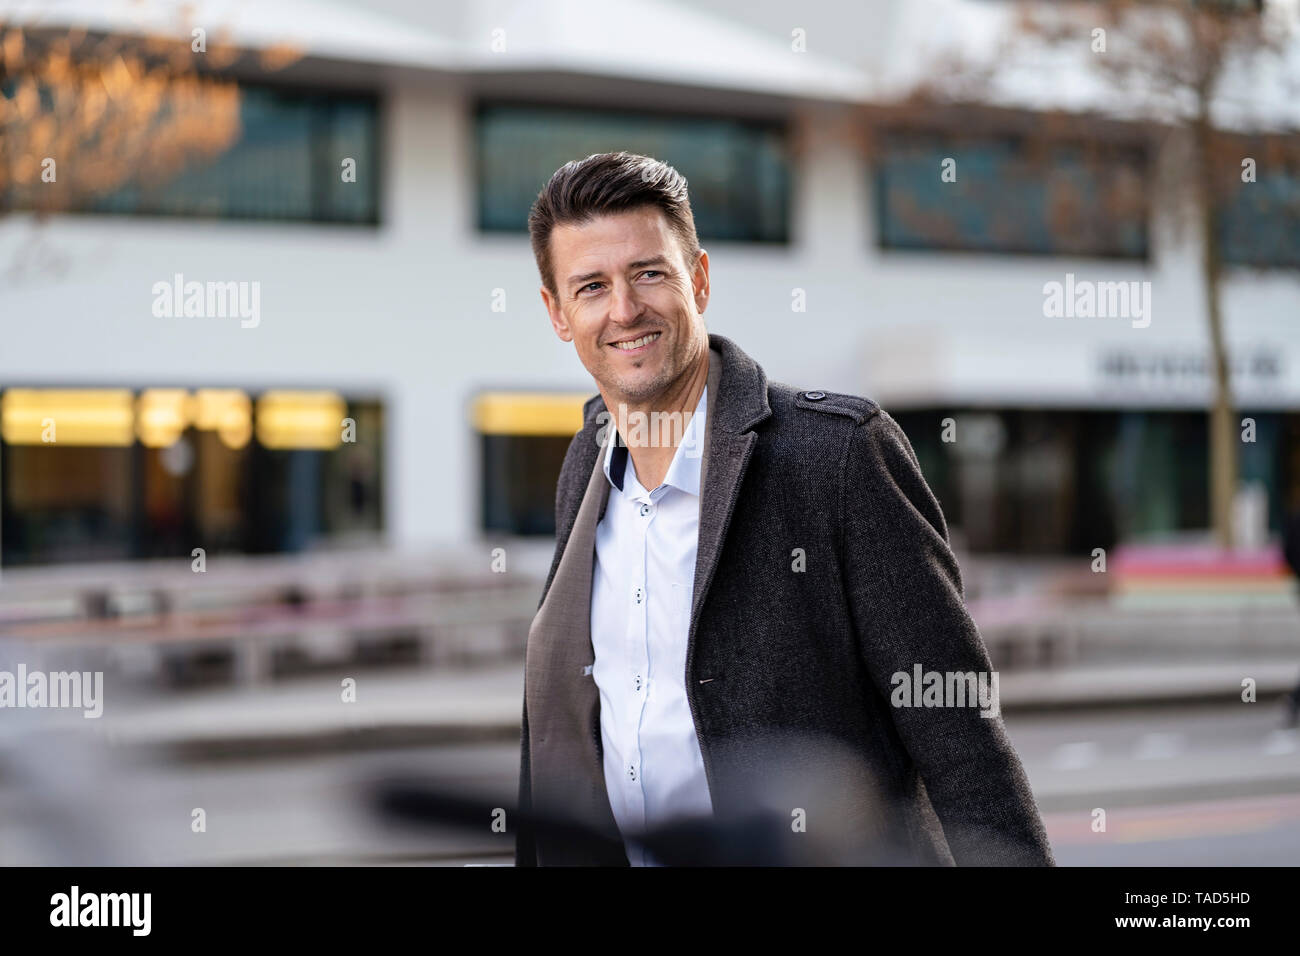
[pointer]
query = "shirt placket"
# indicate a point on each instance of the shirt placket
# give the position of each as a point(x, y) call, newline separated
point(637, 654)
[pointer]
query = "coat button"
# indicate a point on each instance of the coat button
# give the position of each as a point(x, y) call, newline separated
point(814, 396)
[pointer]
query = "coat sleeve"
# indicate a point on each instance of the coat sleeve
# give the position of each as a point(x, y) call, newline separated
point(905, 594)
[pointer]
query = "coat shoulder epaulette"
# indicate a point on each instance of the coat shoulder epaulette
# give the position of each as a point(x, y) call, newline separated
point(837, 403)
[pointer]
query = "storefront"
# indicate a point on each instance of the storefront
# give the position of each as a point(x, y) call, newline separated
point(113, 474)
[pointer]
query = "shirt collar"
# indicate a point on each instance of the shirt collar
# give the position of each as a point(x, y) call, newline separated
point(684, 472)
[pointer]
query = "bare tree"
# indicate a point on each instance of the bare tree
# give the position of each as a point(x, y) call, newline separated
point(82, 116)
point(1191, 60)
point(1199, 81)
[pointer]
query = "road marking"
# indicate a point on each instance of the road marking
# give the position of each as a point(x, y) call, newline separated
point(1280, 742)
point(1159, 746)
point(1075, 756)
point(1175, 821)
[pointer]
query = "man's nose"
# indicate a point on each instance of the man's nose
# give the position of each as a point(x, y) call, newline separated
point(624, 305)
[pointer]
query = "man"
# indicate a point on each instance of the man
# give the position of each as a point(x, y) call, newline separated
point(729, 612)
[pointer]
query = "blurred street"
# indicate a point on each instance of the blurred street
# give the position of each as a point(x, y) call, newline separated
point(1181, 784)
point(248, 713)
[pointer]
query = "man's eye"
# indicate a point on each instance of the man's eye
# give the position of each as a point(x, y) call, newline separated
point(652, 272)
point(589, 285)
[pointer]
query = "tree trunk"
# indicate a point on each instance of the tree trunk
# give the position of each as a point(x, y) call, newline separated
point(1223, 427)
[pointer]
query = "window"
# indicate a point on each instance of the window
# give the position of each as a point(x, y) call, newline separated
point(737, 171)
point(157, 473)
point(1008, 195)
point(1065, 481)
point(523, 438)
point(1259, 222)
point(520, 474)
point(285, 164)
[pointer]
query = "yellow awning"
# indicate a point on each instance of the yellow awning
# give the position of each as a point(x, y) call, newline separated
point(528, 413)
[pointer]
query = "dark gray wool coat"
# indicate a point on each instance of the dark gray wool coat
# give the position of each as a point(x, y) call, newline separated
point(823, 571)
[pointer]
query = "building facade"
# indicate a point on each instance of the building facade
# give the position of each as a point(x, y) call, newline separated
point(407, 299)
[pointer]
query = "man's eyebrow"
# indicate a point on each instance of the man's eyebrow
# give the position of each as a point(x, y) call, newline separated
point(585, 277)
point(659, 260)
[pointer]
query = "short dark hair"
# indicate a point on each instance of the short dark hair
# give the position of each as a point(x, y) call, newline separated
point(606, 183)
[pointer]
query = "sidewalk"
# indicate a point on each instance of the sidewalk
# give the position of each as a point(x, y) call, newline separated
point(432, 706)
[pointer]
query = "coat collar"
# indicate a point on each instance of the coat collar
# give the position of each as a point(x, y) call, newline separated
point(737, 403)
point(684, 470)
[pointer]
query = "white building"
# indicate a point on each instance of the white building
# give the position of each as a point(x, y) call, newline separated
point(427, 309)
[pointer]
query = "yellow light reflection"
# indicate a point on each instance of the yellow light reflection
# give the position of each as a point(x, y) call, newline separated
point(162, 415)
point(228, 412)
point(38, 416)
point(300, 420)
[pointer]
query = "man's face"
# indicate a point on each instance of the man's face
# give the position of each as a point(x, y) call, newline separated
point(621, 277)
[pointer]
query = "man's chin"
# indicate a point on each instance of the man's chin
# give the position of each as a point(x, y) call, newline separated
point(638, 390)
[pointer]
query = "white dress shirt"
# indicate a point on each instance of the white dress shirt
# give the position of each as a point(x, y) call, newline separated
point(642, 587)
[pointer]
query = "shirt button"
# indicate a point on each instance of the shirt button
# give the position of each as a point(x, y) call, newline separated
point(631, 772)
point(638, 681)
point(638, 594)
point(646, 509)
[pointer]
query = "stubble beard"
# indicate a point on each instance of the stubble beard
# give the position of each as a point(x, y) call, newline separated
point(637, 392)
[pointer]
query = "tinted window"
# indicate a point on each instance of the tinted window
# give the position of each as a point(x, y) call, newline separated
point(737, 171)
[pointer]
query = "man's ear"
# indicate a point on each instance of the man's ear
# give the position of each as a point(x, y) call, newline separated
point(558, 321)
point(700, 282)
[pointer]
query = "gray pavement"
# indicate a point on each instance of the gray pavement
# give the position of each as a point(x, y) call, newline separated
point(284, 772)
point(443, 705)
point(1203, 784)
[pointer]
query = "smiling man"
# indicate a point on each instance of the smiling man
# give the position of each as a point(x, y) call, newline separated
point(720, 633)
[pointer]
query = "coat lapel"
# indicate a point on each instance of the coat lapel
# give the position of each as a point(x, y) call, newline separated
point(737, 402)
point(568, 780)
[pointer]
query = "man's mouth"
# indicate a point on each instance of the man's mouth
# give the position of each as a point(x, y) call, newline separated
point(637, 344)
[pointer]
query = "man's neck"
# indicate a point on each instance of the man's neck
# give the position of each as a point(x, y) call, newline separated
point(653, 430)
